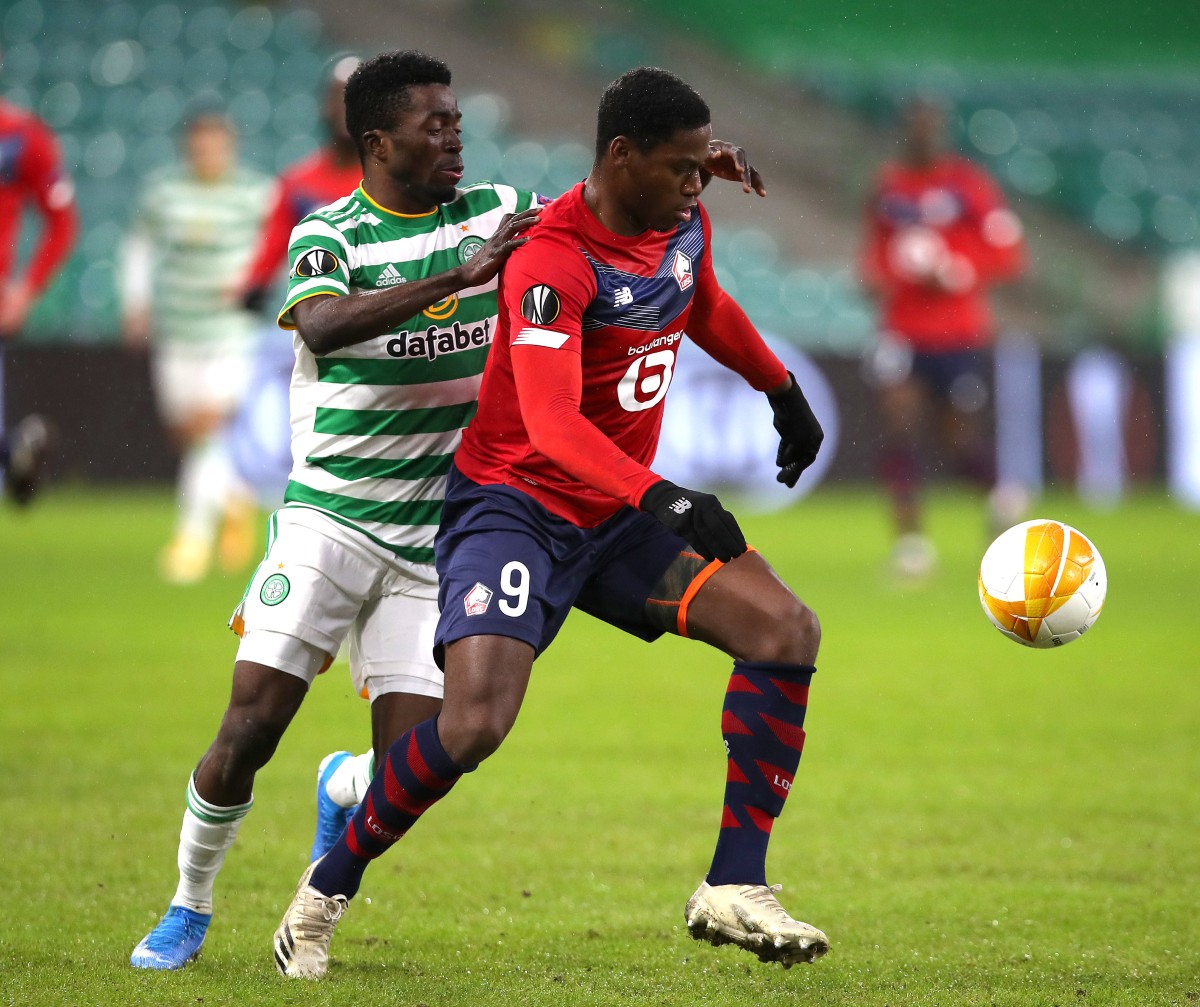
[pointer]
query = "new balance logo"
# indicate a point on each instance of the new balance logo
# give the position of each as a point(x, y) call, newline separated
point(622, 297)
point(389, 277)
point(681, 506)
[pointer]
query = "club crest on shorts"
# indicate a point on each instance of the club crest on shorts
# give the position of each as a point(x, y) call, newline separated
point(316, 262)
point(275, 588)
point(478, 599)
point(540, 305)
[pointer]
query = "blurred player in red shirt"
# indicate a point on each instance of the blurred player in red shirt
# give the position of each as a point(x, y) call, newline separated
point(938, 237)
point(31, 175)
point(328, 173)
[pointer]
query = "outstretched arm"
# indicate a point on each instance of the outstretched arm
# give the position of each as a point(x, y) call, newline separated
point(326, 322)
point(720, 327)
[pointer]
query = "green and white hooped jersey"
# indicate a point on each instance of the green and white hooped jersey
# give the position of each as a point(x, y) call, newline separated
point(201, 236)
point(375, 425)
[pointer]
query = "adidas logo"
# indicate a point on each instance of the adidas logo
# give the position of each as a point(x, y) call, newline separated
point(681, 506)
point(389, 277)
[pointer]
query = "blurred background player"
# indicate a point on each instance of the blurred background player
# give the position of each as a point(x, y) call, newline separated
point(938, 236)
point(181, 265)
point(259, 436)
point(31, 175)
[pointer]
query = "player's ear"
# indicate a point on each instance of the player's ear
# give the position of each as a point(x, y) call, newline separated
point(375, 145)
point(620, 150)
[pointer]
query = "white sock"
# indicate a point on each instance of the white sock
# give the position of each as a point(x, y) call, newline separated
point(208, 832)
point(347, 785)
point(205, 481)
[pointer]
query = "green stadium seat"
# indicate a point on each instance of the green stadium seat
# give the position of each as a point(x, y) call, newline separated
point(251, 112)
point(61, 105)
point(150, 154)
point(569, 164)
point(111, 22)
point(120, 108)
point(804, 294)
point(23, 22)
point(205, 69)
point(298, 113)
point(164, 67)
point(251, 27)
point(1117, 217)
point(481, 160)
point(752, 248)
point(207, 27)
point(160, 110)
point(104, 156)
point(252, 71)
point(525, 164)
point(160, 26)
point(484, 115)
point(1031, 171)
point(22, 64)
point(299, 71)
point(298, 30)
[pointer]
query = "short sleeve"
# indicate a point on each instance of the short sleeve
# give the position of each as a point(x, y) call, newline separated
point(318, 267)
point(546, 290)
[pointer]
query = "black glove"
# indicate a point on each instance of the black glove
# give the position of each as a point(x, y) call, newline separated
point(800, 433)
point(697, 517)
point(254, 298)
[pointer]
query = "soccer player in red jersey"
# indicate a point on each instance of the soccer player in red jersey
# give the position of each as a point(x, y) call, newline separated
point(938, 237)
point(327, 174)
point(31, 175)
point(552, 504)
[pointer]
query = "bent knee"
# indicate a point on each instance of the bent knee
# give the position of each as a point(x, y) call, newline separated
point(792, 635)
point(249, 735)
point(469, 739)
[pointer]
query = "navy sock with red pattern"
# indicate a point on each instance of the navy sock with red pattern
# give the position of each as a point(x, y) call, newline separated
point(763, 726)
point(416, 774)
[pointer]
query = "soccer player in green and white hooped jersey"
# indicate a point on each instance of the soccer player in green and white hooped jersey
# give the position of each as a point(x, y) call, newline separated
point(181, 261)
point(375, 424)
point(393, 299)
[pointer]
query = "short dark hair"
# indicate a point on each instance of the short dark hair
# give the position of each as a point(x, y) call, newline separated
point(377, 91)
point(648, 105)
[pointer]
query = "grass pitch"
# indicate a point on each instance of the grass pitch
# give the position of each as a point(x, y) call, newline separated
point(973, 822)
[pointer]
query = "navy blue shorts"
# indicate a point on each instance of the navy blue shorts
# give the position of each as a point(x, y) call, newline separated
point(955, 373)
point(508, 567)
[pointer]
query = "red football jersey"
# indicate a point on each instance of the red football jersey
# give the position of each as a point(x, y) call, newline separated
point(937, 239)
point(307, 185)
point(31, 173)
point(589, 326)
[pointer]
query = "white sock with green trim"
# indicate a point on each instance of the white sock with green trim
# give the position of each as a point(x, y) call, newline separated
point(347, 785)
point(208, 832)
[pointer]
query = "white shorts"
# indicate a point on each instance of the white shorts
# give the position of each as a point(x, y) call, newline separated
point(322, 583)
point(200, 379)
